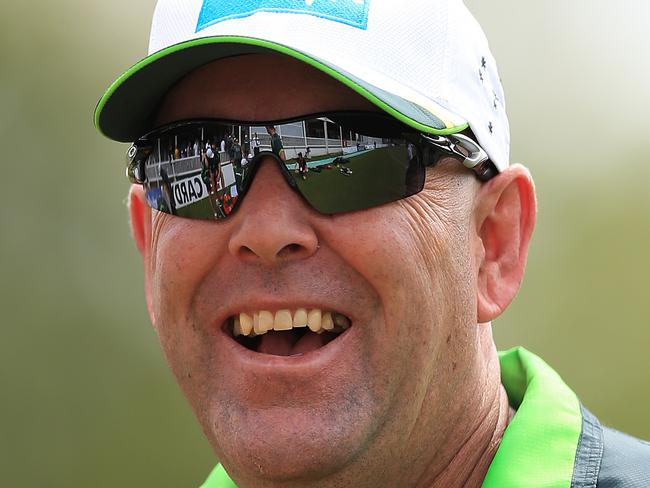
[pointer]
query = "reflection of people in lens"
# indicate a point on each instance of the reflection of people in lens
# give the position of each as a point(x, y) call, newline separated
point(302, 166)
point(230, 147)
point(206, 174)
point(236, 152)
point(246, 145)
point(167, 203)
point(243, 164)
point(276, 142)
point(214, 167)
point(255, 144)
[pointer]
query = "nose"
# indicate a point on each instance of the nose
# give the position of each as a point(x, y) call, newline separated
point(273, 224)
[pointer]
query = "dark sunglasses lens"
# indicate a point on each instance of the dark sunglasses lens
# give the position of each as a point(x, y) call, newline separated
point(358, 177)
point(201, 170)
point(195, 170)
point(346, 162)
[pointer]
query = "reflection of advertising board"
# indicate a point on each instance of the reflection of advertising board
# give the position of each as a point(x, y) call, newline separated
point(228, 174)
point(189, 190)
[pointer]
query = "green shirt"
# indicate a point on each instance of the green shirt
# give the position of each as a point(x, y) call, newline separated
point(539, 445)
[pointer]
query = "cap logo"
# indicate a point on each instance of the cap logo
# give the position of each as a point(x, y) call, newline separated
point(350, 12)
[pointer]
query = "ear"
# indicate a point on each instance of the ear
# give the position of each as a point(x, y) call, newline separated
point(140, 215)
point(505, 212)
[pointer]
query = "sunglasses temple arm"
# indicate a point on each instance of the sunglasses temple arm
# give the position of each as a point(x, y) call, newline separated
point(472, 155)
point(135, 163)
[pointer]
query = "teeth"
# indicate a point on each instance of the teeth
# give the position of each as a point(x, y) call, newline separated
point(266, 321)
point(246, 323)
point(340, 320)
point(261, 322)
point(300, 318)
point(326, 322)
point(236, 330)
point(256, 324)
point(282, 320)
point(314, 320)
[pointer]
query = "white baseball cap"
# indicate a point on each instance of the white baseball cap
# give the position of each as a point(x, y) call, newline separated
point(425, 62)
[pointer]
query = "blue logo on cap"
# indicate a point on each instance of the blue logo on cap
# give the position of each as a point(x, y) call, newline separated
point(351, 12)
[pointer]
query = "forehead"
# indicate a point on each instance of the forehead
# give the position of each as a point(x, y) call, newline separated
point(257, 87)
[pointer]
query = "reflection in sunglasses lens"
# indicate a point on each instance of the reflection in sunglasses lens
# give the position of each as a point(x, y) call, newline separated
point(201, 169)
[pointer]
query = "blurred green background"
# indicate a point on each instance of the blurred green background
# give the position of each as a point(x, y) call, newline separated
point(87, 399)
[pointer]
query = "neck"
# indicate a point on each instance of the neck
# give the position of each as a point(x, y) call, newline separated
point(469, 465)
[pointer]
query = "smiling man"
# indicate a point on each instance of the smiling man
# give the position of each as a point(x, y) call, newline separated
point(351, 343)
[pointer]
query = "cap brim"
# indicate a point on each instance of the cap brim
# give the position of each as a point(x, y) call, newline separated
point(128, 108)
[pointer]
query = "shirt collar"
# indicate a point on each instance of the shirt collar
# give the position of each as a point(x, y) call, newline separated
point(539, 445)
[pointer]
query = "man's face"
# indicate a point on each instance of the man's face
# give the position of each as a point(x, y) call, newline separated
point(403, 273)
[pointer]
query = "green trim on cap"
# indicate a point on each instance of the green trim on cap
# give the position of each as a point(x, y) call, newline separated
point(340, 75)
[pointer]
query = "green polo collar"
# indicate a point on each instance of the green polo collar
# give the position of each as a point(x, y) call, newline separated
point(548, 423)
point(539, 445)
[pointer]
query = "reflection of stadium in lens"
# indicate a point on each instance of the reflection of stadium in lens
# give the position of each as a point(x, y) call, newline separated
point(202, 163)
point(339, 163)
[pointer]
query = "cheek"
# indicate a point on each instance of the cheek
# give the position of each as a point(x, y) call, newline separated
point(415, 254)
point(415, 257)
point(183, 253)
point(439, 227)
point(409, 249)
point(181, 259)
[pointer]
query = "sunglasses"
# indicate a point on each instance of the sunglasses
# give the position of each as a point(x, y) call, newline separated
point(338, 162)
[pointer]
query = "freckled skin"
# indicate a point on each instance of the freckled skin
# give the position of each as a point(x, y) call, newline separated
point(420, 388)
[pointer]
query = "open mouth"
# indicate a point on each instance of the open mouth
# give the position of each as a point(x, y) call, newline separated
point(287, 332)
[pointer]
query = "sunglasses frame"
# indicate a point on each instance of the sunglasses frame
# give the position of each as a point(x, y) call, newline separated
point(458, 146)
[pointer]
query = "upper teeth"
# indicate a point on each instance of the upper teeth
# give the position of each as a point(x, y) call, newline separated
point(262, 321)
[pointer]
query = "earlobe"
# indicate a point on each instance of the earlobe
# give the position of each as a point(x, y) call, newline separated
point(505, 210)
point(140, 217)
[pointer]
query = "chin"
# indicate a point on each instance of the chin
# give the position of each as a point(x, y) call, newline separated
point(290, 444)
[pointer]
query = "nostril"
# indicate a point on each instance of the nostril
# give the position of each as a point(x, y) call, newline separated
point(288, 251)
point(292, 250)
point(246, 252)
